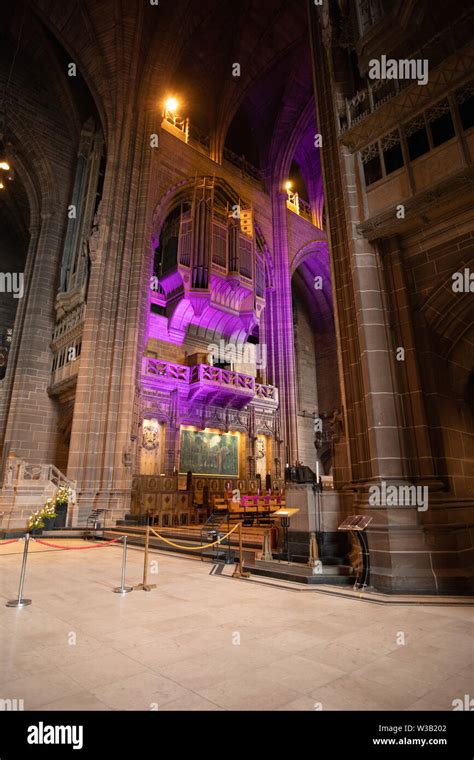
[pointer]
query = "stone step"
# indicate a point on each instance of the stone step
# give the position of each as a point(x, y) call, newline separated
point(341, 575)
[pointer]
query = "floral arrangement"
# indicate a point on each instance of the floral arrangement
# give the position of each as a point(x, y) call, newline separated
point(63, 495)
point(37, 519)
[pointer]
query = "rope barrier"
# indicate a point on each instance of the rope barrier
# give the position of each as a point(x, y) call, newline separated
point(77, 548)
point(20, 601)
point(10, 541)
point(194, 548)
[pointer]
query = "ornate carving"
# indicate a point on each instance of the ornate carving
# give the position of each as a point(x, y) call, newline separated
point(151, 435)
point(336, 425)
point(94, 238)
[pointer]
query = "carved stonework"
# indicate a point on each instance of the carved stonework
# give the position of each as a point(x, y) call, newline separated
point(336, 425)
point(94, 239)
point(456, 70)
point(151, 437)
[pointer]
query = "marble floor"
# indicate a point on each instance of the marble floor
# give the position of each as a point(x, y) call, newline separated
point(208, 642)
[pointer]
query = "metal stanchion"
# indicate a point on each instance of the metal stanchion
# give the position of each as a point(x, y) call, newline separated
point(123, 589)
point(145, 586)
point(20, 602)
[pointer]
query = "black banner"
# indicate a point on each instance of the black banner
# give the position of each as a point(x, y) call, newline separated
point(375, 734)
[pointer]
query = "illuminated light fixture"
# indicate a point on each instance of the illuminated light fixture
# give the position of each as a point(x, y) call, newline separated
point(5, 166)
point(293, 201)
point(172, 117)
point(2, 186)
point(171, 105)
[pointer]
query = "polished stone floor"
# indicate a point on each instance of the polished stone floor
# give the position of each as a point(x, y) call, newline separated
point(207, 642)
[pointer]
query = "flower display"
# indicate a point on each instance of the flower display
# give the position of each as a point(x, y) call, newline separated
point(64, 495)
point(37, 519)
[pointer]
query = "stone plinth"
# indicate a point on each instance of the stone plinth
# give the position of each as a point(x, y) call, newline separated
point(431, 552)
point(333, 545)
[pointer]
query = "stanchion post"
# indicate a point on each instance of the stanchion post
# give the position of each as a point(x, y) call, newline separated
point(145, 586)
point(239, 570)
point(267, 549)
point(313, 560)
point(20, 602)
point(123, 589)
point(145, 559)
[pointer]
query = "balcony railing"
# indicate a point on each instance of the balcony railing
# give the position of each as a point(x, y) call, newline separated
point(190, 133)
point(157, 368)
point(266, 392)
point(298, 206)
point(204, 379)
point(241, 163)
point(197, 135)
point(367, 101)
point(69, 322)
point(223, 377)
point(19, 472)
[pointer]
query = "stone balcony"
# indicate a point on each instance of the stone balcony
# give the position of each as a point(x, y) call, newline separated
point(382, 105)
point(207, 384)
point(66, 349)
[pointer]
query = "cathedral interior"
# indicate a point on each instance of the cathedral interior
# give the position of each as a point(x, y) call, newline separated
point(237, 274)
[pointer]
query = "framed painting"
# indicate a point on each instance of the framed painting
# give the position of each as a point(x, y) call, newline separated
point(207, 453)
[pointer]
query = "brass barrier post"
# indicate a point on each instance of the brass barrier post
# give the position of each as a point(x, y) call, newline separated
point(239, 570)
point(267, 547)
point(313, 560)
point(20, 601)
point(145, 586)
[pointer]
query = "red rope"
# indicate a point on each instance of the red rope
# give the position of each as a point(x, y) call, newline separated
point(77, 548)
point(10, 541)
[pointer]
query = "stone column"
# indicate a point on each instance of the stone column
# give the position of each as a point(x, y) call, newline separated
point(282, 343)
point(370, 389)
point(418, 455)
point(30, 421)
point(102, 430)
point(365, 351)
